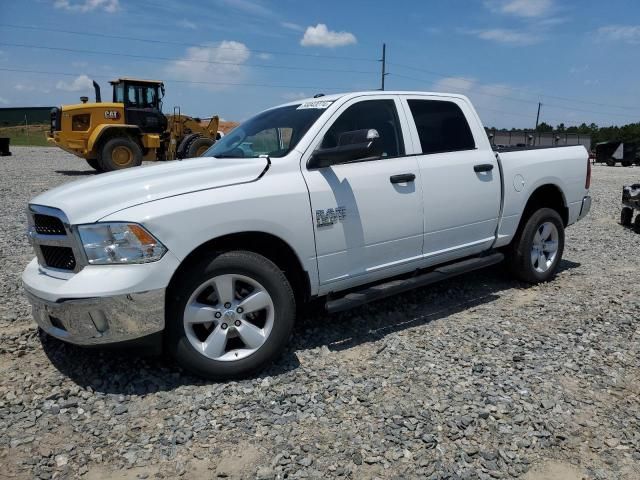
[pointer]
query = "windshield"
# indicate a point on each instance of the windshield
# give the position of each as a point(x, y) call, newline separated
point(275, 133)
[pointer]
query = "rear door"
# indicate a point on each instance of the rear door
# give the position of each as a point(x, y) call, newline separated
point(366, 222)
point(460, 177)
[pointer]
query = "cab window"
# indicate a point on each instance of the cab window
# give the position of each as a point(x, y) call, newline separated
point(380, 115)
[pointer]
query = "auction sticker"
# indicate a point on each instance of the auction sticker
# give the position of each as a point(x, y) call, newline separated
point(320, 104)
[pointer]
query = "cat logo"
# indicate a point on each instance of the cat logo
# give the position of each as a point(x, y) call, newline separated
point(111, 114)
point(330, 216)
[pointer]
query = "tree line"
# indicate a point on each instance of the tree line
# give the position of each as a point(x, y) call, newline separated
point(624, 133)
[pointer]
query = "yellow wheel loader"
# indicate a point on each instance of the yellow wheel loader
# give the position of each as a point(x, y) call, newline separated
point(132, 128)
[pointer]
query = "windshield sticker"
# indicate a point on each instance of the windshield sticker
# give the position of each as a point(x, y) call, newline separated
point(320, 104)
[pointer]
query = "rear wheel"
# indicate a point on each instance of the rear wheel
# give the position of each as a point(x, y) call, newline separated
point(611, 162)
point(198, 146)
point(537, 249)
point(627, 164)
point(229, 315)
point(93, 163)
point(119, 153)
point(626, 216)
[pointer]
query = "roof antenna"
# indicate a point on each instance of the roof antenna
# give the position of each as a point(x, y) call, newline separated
point(318, 95)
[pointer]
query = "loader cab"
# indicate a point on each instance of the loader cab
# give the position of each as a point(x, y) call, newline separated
point(142, 101)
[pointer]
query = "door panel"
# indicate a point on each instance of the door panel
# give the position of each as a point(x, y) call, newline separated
point(365, 223)
point(381, 225)
point(460, 177)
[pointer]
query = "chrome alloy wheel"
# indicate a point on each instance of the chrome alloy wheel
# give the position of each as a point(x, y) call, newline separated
point(544, 248)
point(228, 317)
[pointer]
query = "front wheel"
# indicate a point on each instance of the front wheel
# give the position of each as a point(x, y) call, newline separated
point(229, 315)
point(537, 249)
point(93, 163)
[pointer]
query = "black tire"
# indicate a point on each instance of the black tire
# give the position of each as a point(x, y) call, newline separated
point(119, 153)
point(198, 146)
point(611, 162)
point(519, 258)
point(636, 224)
point(183, 146)
point(245, 263)
point(93, 163)
point(627, 164)
point(626, 216)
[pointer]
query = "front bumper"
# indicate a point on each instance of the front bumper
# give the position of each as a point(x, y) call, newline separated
point(101, 320)
point(586, 207)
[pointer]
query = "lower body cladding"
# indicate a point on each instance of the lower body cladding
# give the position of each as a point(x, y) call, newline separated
point(101, 320)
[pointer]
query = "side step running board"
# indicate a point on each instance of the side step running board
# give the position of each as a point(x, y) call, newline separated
point(387, 289)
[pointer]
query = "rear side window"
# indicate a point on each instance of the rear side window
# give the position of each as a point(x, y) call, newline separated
point(442, 127)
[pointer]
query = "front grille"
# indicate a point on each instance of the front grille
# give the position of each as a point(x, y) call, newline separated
point(53, 239)
point(58, 257)
point(48, 225)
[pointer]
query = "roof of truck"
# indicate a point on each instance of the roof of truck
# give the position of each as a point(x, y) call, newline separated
point(335, 96)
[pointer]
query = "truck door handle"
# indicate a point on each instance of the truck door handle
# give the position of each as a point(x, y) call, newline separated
point(484, 167)
point(402, 178)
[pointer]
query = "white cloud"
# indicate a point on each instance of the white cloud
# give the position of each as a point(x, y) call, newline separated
point(4, 101)
point(521, 8)
point(198, 64)
point(321, 36)
point(184, 23)
point(81, 83)
point(620, 33)
point(109, 6)
point(265, 56)
point(248, 6)
point(509, 37)
point(24, 87)
point(292, 26)
point(454, 84)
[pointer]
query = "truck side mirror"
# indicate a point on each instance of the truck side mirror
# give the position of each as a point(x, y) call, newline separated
point(353, 145)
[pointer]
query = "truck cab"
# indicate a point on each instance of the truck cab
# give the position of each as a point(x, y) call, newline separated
point(142, 100)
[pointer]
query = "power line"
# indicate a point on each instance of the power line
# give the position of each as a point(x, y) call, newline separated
point(181, 44)
point(523, 90)
point(195, 82)
point(560, 107)
point(169, 59)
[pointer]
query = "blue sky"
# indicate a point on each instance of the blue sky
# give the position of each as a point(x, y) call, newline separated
point(236, 57)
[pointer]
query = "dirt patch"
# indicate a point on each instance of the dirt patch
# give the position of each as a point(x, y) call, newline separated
point(555, 471)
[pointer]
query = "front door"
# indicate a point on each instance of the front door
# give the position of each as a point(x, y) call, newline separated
point(460, 177)
point(367, 220)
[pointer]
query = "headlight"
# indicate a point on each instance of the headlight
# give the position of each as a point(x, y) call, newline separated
point(112, 243)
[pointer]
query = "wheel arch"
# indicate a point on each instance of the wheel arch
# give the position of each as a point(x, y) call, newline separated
point(548, 195)
point(265, 244)
point(104, 133)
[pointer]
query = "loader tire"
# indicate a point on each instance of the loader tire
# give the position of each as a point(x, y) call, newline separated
point(93, 163)
point(198, 146)
point(183, 146)
point(119, 153)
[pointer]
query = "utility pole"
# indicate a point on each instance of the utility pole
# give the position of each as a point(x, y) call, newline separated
point(537, 119)
point(384, 64)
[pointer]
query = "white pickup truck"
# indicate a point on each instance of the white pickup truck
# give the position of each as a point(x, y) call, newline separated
point(346, 198)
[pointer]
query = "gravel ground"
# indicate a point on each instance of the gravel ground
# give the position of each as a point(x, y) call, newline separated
point(478, 377)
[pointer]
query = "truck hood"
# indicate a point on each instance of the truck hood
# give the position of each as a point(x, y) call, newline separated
point(89, 200)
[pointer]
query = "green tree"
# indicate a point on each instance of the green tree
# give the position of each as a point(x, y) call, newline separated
point(544, 127)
